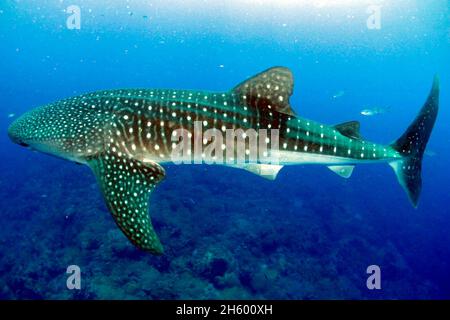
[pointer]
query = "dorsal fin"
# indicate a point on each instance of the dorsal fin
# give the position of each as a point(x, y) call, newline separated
point(269, 89)
point(349, 129)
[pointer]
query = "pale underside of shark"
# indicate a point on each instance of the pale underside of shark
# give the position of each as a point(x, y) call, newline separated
point(125, 135)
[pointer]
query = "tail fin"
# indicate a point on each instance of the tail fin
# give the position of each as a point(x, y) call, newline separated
point(411, 145)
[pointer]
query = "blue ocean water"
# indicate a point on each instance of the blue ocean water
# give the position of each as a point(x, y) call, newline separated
point(229, 234)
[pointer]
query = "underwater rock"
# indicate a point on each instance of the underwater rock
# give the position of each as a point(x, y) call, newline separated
point(268, 244)
point(259, 281)
point(212, 268)
point(218, 267)
point(163, 263)
point(213, 265)
point(228, 280)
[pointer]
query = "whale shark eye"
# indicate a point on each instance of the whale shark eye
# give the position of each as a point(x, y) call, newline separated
point(23, 144)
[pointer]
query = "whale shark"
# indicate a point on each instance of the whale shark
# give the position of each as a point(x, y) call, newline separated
point(126, 136)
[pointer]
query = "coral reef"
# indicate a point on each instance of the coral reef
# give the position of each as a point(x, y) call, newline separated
point(227, 235)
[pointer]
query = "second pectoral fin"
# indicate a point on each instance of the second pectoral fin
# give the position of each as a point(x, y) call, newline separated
point(343, 171)
point(126, 185)
point(268, 171)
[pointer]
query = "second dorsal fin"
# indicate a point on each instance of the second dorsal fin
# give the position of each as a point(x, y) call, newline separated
point(349, 129)
point(269, 89)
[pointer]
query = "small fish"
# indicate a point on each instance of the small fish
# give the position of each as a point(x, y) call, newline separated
point(339, 94)
point(430, 153)
point(11, 115)
point(374, 111)
point(367, 112)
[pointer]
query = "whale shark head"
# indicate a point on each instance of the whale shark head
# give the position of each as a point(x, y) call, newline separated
point(69, 129)
point(81, 129)
point(15, 133)
point(38, 130)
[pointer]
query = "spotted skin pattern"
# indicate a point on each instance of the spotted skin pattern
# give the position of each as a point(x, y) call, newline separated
point(125, 135)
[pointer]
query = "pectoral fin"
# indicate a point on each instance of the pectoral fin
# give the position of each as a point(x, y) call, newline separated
point(343, 171)
point(126, 185)
point(268, 171)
